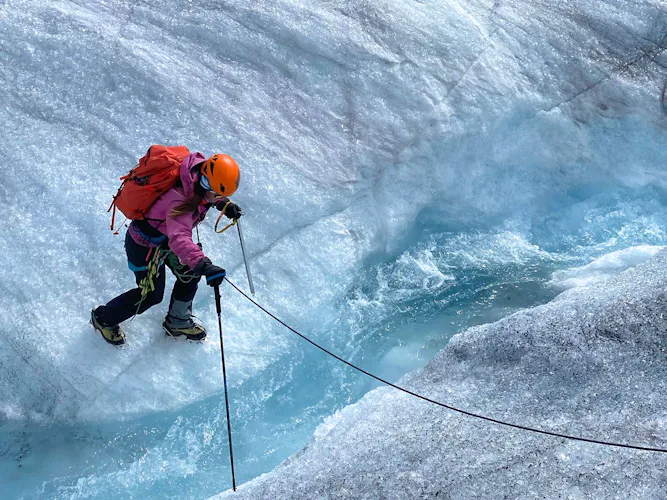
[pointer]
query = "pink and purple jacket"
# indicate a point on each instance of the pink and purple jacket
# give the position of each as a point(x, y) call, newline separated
point(177, 229)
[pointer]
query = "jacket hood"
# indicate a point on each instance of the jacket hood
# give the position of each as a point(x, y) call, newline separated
point(190, 175)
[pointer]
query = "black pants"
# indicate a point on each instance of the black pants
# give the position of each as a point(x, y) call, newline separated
point(126, 305)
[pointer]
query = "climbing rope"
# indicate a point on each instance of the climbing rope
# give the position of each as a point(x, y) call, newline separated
point(180, 270)
point(147, 284)
point(438, 403)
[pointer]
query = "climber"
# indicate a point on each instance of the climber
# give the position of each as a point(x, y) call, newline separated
point(162, 236)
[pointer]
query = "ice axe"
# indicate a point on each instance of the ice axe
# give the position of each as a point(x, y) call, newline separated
point(237, 223)
point(245, 257)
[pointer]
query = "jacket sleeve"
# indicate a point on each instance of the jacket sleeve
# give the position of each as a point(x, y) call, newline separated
point(179, 232)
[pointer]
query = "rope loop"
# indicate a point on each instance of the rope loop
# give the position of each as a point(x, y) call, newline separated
point(222, 212)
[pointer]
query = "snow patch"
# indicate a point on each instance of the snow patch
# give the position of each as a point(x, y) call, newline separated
point(603, 268)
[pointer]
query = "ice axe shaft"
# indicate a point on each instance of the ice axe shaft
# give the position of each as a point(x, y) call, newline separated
point(245, 258)
point(218, 308)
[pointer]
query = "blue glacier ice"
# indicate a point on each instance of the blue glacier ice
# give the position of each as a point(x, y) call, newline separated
point(410, 170)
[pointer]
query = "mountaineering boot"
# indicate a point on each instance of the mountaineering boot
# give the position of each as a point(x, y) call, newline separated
point(112, 334)
point(192, 331)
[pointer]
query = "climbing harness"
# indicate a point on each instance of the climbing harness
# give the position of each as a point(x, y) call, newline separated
point(156, 258)
point(438, 403)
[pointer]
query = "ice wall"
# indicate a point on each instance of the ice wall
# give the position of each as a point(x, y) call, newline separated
point(591, 363)
point(350, 119)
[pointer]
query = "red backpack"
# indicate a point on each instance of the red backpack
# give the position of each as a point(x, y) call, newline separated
point(156, 173)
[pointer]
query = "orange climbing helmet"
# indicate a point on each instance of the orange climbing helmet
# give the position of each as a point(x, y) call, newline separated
point(220, 174)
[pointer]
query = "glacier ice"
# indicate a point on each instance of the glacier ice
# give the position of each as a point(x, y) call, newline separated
point(361, 126)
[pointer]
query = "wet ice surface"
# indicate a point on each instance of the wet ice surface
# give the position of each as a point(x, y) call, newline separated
point(592, 363)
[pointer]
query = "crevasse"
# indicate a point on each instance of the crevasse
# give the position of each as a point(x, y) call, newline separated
point(406, 166)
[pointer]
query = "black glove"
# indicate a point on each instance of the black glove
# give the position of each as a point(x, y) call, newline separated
point(214, 274)
point(232, 210)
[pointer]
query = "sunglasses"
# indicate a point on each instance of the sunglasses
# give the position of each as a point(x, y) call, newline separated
point(206, 184)
point(203, 180)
